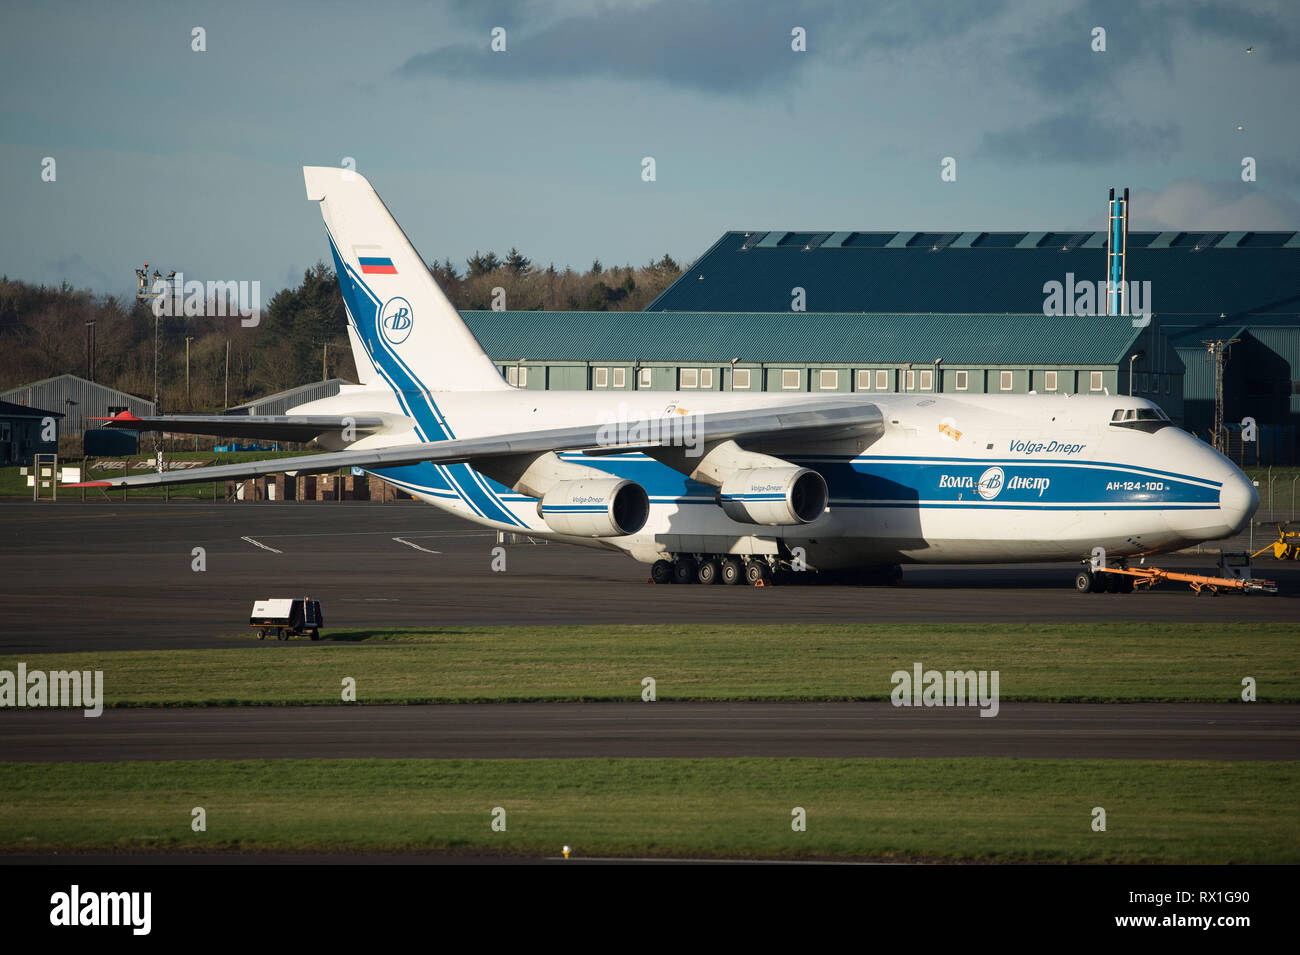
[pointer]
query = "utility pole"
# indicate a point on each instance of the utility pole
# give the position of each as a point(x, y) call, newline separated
point(189, 406)
point(90, 351)
point(227, 399)
point(1216, 350)
point(324, 361)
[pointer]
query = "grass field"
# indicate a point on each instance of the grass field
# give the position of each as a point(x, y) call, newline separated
point(976, 809)
point(1125, 662)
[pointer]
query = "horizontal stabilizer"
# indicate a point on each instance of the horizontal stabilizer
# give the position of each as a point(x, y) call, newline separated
point(269, 427)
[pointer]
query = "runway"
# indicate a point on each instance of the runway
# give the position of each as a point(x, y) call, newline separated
point(120, 575)
point(639, 730)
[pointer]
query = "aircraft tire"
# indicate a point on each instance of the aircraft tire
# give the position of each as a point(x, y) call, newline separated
point(731, 571)
point(708, 572)
point(684, 570)
point(756, 570)
point(661, 572)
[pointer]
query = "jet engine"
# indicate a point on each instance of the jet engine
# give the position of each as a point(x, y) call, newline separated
point(774, 496)
point(595, 508)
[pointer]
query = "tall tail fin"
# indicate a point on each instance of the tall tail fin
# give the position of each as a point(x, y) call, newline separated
point(406, 331)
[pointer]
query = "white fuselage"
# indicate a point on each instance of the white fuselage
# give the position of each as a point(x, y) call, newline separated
point(952, 478)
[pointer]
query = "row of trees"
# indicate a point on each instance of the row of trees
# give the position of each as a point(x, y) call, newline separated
point(302, 335)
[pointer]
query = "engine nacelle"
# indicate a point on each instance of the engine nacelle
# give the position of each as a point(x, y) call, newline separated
point(774, 496)
point(595, 508)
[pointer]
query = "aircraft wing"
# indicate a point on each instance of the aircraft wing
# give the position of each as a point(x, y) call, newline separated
point(832, 419)
point(267, 427)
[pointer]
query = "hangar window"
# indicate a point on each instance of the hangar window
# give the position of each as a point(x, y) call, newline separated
point(963, 380)
point(1049, 381)
point(517, 375)
point(620, 377)
point(882, 380)
point(706, 377)
point(1142, 382)
point(602, 377)
point(828, 379)
point(1004, 381)
point(864, 380)
point(927, 380)
point(909, 380)
point(1094, 381)
point(790, 379)
point(740, 379)
point(690, 378)
point(1168, 383)
point(644, 379)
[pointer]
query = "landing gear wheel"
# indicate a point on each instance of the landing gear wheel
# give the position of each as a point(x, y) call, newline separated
point(707, 572)
point(1084, 582)
point(661, 572)
point(1115, 583)
point(757, 573)
point(684, 569)
point(731, 572)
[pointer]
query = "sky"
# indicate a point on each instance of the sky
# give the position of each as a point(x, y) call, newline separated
point(191, 160)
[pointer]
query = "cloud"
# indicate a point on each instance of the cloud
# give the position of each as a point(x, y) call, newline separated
point(1195, 205)
point(725, 49)
point(1080, 138)
point(1059, 59)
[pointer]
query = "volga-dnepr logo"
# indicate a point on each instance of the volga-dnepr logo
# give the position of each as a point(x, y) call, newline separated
point(396, 320)
point(990, 483)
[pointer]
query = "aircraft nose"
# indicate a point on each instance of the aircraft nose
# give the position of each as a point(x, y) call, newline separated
point(1237, 501)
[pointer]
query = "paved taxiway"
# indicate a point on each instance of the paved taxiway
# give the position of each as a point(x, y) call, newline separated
point(663, 729)
point(118, 575)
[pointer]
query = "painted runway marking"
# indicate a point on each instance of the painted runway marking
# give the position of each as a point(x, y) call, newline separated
point(416, 546)
point(261, 545)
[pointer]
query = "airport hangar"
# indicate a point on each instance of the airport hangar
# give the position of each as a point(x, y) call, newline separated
point(951, 312)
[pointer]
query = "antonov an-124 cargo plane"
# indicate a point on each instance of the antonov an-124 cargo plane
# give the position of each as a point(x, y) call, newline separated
point(723, 486)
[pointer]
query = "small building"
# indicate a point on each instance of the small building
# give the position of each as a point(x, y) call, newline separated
point(77, 400)
point(26, 431)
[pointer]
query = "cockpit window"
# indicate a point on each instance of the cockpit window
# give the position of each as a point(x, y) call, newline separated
point(1149, 420)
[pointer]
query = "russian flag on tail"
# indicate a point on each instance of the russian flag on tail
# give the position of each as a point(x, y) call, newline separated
point(373, 261)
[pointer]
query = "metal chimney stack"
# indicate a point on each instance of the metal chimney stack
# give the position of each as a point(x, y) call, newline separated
point(1116, 247)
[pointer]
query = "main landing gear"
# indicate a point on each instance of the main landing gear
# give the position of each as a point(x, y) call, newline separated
point(712, 569)
point(762, 571)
